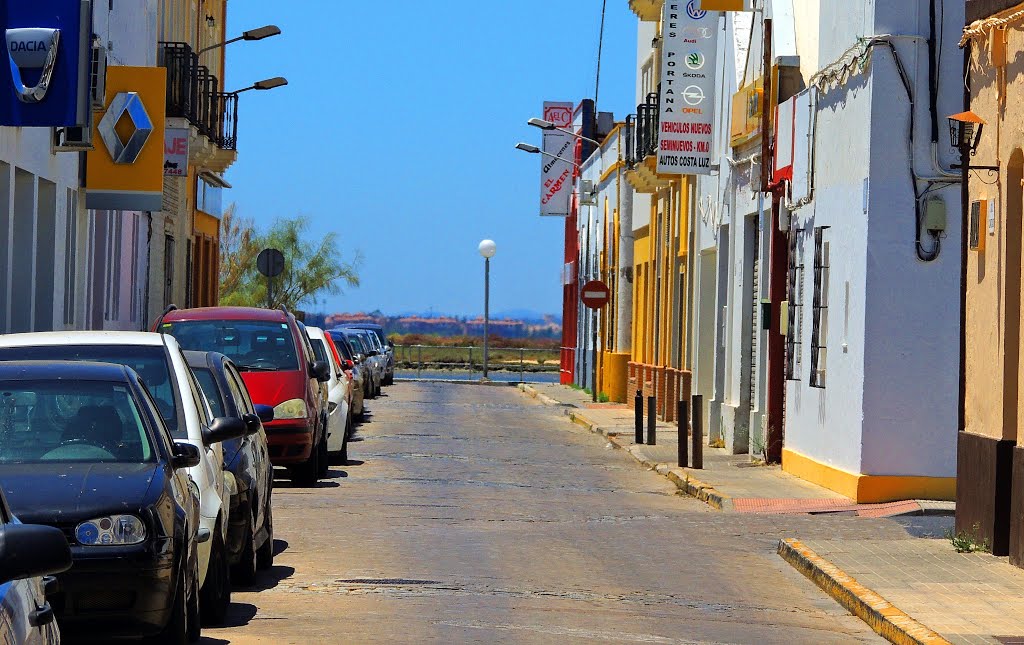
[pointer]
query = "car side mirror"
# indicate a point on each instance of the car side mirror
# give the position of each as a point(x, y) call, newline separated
point(252, 424)
point(265, 413)
point(223, 429)
point(185, 456)
point(31, 551)
point(321, 371)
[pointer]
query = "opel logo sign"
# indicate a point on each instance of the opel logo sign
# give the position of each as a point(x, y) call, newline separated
point(32, 49)
point(125, 104)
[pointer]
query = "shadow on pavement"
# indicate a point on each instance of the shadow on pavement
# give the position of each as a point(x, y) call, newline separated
point(265, 580)
point(353, 462)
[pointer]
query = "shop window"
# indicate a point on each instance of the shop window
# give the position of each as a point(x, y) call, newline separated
point(819, 329)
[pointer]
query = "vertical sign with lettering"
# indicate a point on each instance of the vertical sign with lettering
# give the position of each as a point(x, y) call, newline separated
point(176, 152)
point(556, 173)
point(688, 68)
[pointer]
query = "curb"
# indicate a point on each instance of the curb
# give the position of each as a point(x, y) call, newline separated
point(678, 476)
point(879, 614)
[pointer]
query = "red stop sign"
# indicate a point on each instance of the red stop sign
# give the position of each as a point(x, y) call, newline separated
point(595, 294)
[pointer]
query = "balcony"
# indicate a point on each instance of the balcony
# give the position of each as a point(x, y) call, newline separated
point(647, 9)
point(194, 94)
point(642, 146)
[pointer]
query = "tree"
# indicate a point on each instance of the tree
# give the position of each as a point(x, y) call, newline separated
point(239, 247)
point(312, 267)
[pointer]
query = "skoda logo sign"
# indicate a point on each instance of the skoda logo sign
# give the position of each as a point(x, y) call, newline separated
point(125, 104)
point(694, 11)
point(695, 60)
point(32, 49)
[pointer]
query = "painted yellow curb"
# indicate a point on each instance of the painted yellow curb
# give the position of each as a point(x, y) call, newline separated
point(888, 621)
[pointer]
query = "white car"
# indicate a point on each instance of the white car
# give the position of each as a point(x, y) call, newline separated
point(339, 399)
point(158, 360)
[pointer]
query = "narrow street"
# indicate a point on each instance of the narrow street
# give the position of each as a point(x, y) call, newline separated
point(474, 514)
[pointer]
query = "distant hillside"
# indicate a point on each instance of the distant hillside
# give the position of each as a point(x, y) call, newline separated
point(532, 326)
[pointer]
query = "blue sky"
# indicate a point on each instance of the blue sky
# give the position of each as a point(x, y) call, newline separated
point(397, 132)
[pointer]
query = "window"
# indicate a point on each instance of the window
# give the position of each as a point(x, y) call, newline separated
point(241, 403)
point(209, 386)
point(819, 329)
point(795, 288)
point(253, 345)
point(70, 258)
point(168, 270)
point(71, 421)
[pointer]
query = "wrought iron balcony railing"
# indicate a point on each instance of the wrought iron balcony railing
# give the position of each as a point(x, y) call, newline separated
point(193, 93)
point(647, 122)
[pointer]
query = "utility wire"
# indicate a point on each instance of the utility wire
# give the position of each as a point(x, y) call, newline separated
point(600, 48)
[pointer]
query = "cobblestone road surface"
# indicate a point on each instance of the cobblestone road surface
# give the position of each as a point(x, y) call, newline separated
point(476, 515)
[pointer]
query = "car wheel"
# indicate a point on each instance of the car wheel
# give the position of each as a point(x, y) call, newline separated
point(306, 474)
point(245, 571)
point(324, 459)
point(176, 631)
point(265, 554)
point(215, 596)
point(194, 630)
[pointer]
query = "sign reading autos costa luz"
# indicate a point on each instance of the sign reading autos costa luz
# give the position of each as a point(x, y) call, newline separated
point(688, 64)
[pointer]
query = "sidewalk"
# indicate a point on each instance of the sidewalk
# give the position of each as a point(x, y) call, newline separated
point(914, 590)
point(727, 482)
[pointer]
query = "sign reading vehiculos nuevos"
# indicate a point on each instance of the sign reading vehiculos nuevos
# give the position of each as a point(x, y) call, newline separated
point(556, 174)
point(688, 63)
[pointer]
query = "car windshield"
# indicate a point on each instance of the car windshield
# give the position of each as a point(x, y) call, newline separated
point(253, 345)
point(319, 349)
point(341, 345)
point(212, 392)
point(71, 421)
point(150, 362)
point(356, 343)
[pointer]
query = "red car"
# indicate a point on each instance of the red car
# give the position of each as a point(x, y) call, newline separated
point(280, 369)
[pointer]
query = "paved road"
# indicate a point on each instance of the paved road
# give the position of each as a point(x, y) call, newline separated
point(476, 515)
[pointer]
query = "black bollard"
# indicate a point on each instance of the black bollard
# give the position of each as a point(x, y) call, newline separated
point(652, 422)
point(698, 431)
point(638, 407)
point(683, 419)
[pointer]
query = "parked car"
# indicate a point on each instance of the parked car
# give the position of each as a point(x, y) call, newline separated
point(280, 370)
point(158, 360)
point(385, 345)
point(339, 399)
point(84, 449)
point(360, 344)
point(353, 369)
point(250, 541)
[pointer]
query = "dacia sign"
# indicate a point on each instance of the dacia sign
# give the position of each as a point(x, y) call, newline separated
point(44, 81)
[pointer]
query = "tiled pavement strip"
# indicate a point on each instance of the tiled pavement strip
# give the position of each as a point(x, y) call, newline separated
point(911, 591)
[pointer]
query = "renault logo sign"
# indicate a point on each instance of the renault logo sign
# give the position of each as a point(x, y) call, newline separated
point(32, 49)
point(125, 104)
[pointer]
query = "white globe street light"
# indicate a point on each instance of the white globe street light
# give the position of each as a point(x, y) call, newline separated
point(487, 249)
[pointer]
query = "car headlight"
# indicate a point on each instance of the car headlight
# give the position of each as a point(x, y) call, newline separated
point(294, 409)
point(113, 530)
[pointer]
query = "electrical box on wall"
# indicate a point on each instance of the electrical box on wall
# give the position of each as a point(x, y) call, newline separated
point(935, 215)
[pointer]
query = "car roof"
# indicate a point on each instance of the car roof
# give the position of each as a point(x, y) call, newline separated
point(226, 313)
point(316, 332)
point(373, 326)
point(51, 338)
point(203, 360)
point(67, 370)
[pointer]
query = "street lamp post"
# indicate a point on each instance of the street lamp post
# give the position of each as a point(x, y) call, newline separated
point(252, 34)
point(965, 131)
point(487, 249)
point(264, 85)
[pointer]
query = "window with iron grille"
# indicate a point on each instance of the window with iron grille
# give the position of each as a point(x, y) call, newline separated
point(795, 288)
point(819, 329)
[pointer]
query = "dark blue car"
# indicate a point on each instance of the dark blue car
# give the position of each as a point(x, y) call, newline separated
point(250, 542)
point(84, 449)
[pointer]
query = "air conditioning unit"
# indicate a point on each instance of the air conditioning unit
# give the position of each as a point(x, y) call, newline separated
point(76, 139)
point(588, 193)
point(98, 76)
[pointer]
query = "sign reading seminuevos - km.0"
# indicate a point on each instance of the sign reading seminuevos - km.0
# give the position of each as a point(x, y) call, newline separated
point(556, 173)
point(688, 64)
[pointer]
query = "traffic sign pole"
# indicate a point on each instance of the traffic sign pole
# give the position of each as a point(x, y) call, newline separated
point(595, 296)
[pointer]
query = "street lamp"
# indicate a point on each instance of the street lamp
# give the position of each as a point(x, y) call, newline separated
point(252, 34)
point(268, 84)
point(534, 150)
point(965, 131)
point(548, 125)
point(487, 249)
